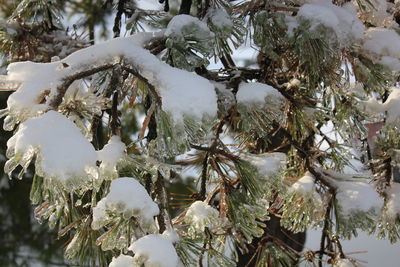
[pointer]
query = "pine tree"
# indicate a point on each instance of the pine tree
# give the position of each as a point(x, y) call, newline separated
point(302, 136)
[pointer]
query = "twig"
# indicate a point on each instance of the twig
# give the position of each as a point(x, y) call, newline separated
point(151, 87)
point(324, 234)
point(185, 7)
point(67, 81)
point(163, 218)
point(146, 120)
point(114, 123)
point(214, 150)
point(117, 21)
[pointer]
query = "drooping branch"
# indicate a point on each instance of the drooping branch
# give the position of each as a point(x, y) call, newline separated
point(67, 81)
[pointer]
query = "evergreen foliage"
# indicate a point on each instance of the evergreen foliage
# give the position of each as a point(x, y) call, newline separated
point(271, 140)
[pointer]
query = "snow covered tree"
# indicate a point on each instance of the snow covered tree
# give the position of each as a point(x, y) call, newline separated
point(302, 135)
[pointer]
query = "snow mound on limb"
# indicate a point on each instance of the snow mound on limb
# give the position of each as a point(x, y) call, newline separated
point(155, 250)
point(128, 197)
point(62, 151)
point(181, 92)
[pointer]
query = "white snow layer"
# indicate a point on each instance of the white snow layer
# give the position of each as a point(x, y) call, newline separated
point(63, 152)
point(126, 196)
point(266, 163)
point(393, 203)
point(219, 18)
point(258, 94)
point(178, 22)
point(358, 196)
point(382, 41)
point(383, 44)
point(182, 92)
point(111, 154)
point(201, 215)
point(304, 185)
point(155, 250)
point(342, 20)
point(391, 105)
point(122, 261)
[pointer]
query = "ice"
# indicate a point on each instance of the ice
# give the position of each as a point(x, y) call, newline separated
point(201, 215)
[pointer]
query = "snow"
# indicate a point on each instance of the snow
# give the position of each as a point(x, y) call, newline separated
point(126, 196)
point(201, 215)
point(155, 250)
point(63, 152)
point(304, 185)
point(111, 154)
point(392, 204)
point(267, 163)
point(122, 261)
point(178, 22)
point(390, 62)
point(342, 20)
point(358, 196)
point(185, 93)
point(391, 105)
point(219, 18)
point(171, 83)
point(382, 42)
point(258, 93)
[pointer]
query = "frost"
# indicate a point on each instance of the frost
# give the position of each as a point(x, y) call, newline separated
point(39, 81)
point(201, 215)
point(155, 250)
point(258, 94)
point(62, 151)
point(110, 155)
point(127, 197)
point(122, 261)
point(356, 196)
